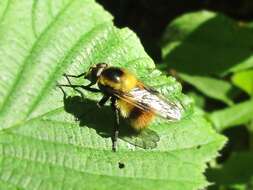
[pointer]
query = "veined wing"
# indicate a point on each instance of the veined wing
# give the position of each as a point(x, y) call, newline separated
point(146, 99)
point(162, 107)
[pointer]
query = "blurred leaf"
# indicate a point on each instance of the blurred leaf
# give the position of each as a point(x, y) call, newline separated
point(211, 87)
point(244, 80)
point(199, 100)
point(235, 115)
point(235, 173)
point(51, 141)
point(203, 43)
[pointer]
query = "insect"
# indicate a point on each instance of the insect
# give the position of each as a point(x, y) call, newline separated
point(129, 97)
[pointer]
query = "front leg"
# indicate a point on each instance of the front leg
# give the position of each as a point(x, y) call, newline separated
point(75, 76)
point(79, 91)
point(116, 125)
point(88, 88)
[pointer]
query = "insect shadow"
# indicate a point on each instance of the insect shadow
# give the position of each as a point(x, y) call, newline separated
point(102, 120)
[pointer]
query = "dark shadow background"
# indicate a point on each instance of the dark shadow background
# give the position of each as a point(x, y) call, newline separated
point(149, 18)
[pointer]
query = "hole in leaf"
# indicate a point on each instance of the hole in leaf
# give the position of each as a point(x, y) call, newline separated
point(121, 165)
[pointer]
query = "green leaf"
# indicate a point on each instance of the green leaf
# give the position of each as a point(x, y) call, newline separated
point(48, 141)
point(244, 80)
point(235, 115)
point(236, 172)
point(211, 87)
point(199, 99)
point(203, 43)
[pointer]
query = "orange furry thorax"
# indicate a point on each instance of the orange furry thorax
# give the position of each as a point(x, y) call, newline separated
point(125, 82)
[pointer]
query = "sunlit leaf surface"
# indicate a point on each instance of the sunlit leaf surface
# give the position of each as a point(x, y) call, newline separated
point(56, 143)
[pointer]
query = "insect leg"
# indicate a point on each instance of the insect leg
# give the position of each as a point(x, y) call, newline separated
point(88, 88)
point(80, 92)
point(75, 76)
point(64, 93)
point(116, 126)
point(102, 102)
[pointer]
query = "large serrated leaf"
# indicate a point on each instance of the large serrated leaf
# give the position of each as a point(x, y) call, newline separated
point(43, 146)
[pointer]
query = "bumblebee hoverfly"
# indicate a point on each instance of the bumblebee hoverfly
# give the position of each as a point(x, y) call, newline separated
point(129, 97)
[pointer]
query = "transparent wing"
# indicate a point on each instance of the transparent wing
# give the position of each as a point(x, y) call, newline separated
point(146, 99)
point(162, 107)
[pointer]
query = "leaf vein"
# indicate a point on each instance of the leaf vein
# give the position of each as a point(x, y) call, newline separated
point(68, 54)
point(5, 11)
point(90, 173)
point(27, 59)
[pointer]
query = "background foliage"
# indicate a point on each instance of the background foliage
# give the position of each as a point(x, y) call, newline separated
point(55, 140)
